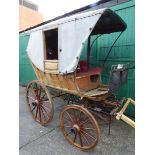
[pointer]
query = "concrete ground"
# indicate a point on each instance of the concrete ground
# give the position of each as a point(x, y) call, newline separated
point(35, 139)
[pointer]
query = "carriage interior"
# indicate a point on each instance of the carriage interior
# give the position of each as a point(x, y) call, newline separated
point(51, 50)
point(87, 78)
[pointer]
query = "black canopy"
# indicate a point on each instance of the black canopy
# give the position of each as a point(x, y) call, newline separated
point(109, 22)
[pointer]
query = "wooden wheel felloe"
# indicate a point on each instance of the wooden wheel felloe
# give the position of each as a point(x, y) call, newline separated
point(79, 127)
point(39, 102)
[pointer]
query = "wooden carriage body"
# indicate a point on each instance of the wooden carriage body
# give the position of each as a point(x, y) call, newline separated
point(77, 84)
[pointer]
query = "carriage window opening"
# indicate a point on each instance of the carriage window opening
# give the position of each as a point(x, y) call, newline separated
point(51, 42)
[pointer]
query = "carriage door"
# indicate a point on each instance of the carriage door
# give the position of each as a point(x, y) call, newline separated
point(51, 50)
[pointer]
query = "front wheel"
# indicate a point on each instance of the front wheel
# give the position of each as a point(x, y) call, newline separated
point(79, 127)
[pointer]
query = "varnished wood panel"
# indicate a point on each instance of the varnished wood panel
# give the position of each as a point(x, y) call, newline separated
point(64, 82)
point(51, 65)
point(85, 84)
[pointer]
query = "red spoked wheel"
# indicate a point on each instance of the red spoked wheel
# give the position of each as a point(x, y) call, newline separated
point(39, 102)
point(79, 127)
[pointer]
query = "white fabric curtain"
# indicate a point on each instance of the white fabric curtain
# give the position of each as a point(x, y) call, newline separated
point(35, 49)
point(72, 35)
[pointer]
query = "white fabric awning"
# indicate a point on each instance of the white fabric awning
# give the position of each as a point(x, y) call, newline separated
point(73, 31)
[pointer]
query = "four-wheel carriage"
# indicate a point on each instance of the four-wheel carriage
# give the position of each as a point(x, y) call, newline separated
point(54, 50)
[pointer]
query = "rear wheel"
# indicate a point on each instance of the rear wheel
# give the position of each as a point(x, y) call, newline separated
point(79, 127)
point(39, 102)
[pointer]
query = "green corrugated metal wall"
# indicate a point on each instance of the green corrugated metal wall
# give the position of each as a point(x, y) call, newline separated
point(26, 72)
point(123, 52)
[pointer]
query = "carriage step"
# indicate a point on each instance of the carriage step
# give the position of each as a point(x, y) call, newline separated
point(96, 92)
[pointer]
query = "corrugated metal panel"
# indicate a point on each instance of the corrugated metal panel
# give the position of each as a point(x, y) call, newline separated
point(122, 52)
point(26, 72)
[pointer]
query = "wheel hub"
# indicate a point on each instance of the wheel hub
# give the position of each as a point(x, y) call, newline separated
point(34, 103)
point(37, 101)
point(75, 129)
point(75, 126)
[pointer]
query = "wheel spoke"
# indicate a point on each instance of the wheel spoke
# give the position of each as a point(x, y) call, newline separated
point(80, 116)
point(45, 110)
point(70, 117)
point(43, 95)
point(75, 137)
point(35, 88)
point(90, 129)
point(68, 133)
point(68, 126)
point(32, 90)
point(89, 135)
point(85, 138)
point(43, 113)
point(43, 107)
point(36, 112)
point(75, 118)
point(31, 97)
point(40, 115)
point(68, 122)
point(34, 108)
point(45, 101)
point(36, 92)
point(86, 121)
point(39, 94)
point(81, 143)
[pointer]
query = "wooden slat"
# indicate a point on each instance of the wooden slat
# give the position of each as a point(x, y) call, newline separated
point(51, 82)
point(63, 81)
point(52, 61)
point(60, 82)
point(56, 80)
point(51, 71)
point(95, 92)
point(51, 66)
point(71, 84)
